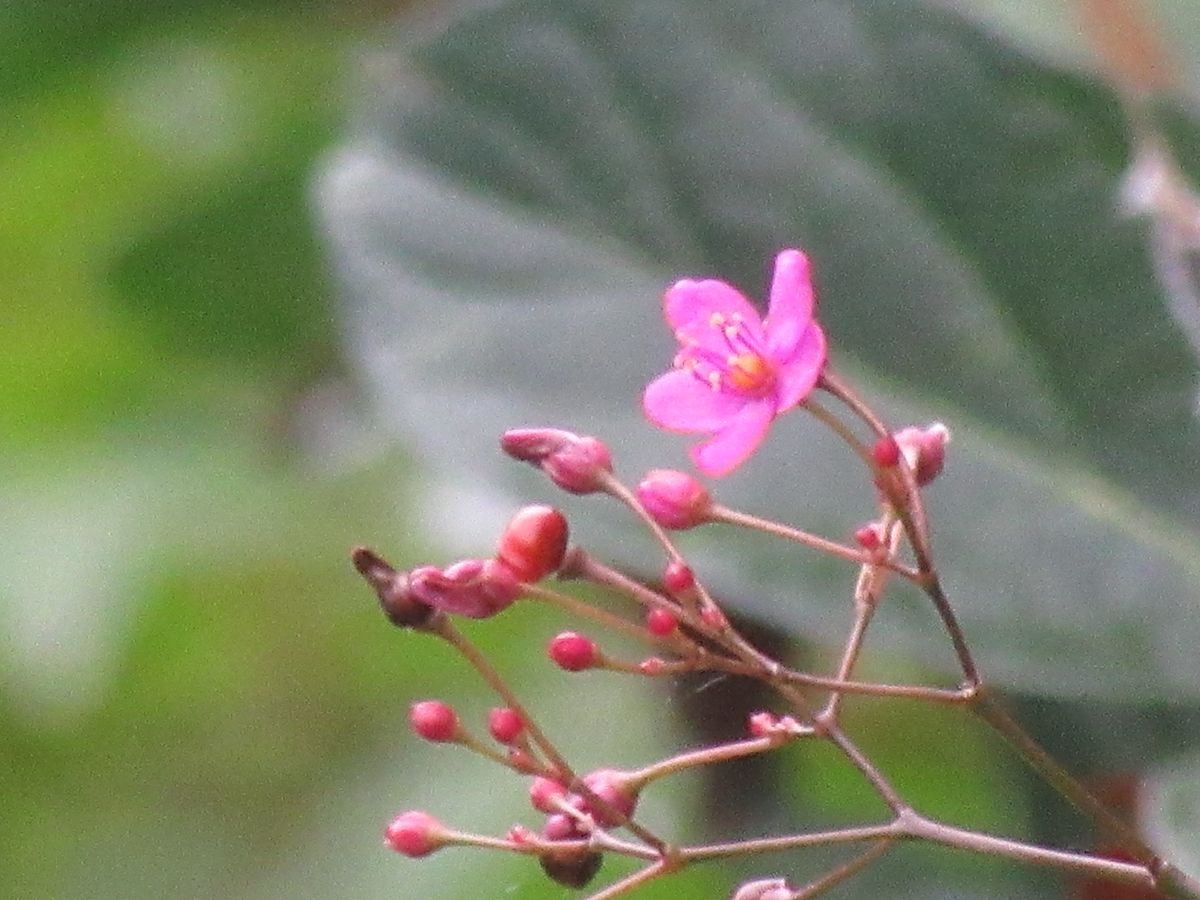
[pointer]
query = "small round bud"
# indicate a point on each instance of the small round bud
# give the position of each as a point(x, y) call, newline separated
point(575, 463)
point(618, 791)
point(414, 833)
point(886, 452)
point(925, 450)
point(434, 720)
point(533, 542)
point(678, 578)
point(867, 537)
point(674, 499)
point(505, 725)
point(573, 652)
point(543, 792)
point(661, 622)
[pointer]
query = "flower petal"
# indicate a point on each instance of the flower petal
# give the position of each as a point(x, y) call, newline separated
point(732, 446)
point(690, 305)
point(791, 304)
point(795, 379)
point(679, 401)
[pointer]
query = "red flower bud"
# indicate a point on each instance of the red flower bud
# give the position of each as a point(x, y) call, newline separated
point(661, 622)
point(434, 720)
point(574, 462)
point(573, 652)
point(414, 833)
point(674, 499)
point(533, 542)
point(505, 724)
point(762, 724)
point(886, 452)
point(678, 578)
point(867, 537)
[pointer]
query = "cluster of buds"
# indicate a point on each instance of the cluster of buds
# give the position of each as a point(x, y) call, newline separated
point(677, 618)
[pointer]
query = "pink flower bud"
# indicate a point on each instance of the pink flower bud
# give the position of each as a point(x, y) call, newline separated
point(886, 452)
point(925, 450)
point(674, 499)
point(867, 536)
point(434, 721)
point(475, 588)
point(617, 789)
point(574, 866)
point(661, 622)
point(533, 542)
point(575, 463)
point(678, 578)
point(414, 833)
point(505, 725)
point(543, 793)
point(652, 667)
point(393, 588)
point(573, 652)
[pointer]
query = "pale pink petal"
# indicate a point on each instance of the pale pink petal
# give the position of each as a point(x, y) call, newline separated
point(733, 445)
point(679, 401)
point(795, 380)
point(791, 304)
point(690, 305)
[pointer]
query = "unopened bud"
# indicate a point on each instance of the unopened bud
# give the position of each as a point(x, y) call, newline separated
point(925, 450)
point(575, 866)
point(505, 724)
point(414, 833)
point(617, 789)
point(674, 499)
point(661, 622)
point(573, 652)
point(533, 542)
point(543, 793)
point(867, 536)
point(574, 462)
point(393, 588)
point(678, 578)
point(886, 452)
point(434, 720)
point(475, 588)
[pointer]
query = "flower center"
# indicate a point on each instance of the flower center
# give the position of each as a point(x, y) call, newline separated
point(735, 362)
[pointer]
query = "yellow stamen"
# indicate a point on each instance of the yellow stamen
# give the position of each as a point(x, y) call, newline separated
point(749, 372)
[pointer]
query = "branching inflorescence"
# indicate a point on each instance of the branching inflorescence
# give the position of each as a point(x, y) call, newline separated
point(733, 375)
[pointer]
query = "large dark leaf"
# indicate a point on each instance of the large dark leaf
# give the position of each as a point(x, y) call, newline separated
point(529, 178)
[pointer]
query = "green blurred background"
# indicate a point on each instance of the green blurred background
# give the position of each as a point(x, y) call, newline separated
point(198, 697)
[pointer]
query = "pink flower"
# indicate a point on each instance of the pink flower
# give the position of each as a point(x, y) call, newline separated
point(735, 371)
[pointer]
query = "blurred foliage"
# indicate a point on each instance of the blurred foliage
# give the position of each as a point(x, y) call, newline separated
point(197, 697)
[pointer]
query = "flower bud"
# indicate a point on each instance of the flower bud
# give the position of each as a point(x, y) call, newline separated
point(925, 450)
point(533, 542)
point(678, 578)
point(434, 721)
point(475, 588)
point(674, 499)
point(573, 652)
point(414, 833)
point(393, 588)
point(543, 793)
point(661, 622)
point(505, 724)
point(867, 536)
point(886, 452)
point(575, 463)
point(617, 789)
